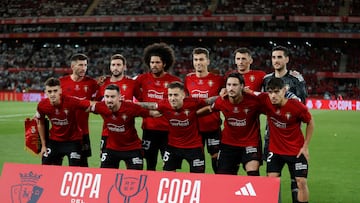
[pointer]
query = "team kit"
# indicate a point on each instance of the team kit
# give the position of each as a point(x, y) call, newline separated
point(182, 116)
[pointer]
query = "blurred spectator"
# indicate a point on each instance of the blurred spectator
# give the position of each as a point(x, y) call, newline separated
point(52, 56)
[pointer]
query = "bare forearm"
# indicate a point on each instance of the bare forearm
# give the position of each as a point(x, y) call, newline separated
point(204, 110)
point(148, 105)
point(309, 132)
point(211, 100)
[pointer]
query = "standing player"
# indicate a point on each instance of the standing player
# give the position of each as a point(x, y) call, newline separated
point(240, 141)
point(159, 57)
point(126, 86)
point(82, 87)
point(253, 78)
point(185, 141)
point(294, 82)
point(287, 144)
point(123, 142)
point(202, 84)
point(65, 134)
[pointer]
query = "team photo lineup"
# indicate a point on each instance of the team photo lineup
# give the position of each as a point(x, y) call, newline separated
point(180, 117)
point(213, 93)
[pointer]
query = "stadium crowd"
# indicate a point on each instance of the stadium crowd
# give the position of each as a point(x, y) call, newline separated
point(10, 8)
point(40, 54)
point(53, 57)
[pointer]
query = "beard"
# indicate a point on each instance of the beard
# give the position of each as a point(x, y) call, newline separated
point(117, 74)
point(110, 105)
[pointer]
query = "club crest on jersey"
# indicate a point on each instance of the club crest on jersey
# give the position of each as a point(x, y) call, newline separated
point(288, 115)
point(252, 78)
point(124, 117)
point(210, 83)
point(86, 88)
point(246, 111)
point(66, 111)
point(124, 87)
point(287, 86)
point(187, 112)
point(236, 110)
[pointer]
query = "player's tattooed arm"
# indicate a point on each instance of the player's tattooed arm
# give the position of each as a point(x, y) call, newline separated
point(148, 105)
point(211, 100)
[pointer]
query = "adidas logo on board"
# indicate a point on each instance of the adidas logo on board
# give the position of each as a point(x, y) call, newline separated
point(247, 190)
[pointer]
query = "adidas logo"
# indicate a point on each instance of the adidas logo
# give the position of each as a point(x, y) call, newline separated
point(247, 190)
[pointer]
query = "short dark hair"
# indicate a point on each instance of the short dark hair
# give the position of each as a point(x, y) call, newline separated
point(282, 48)
point(176, 84)
point(80, 57)
point(52, 82)
point(162, 50)
point(113, 87)
point(201, 50)
point(118, 56)
point(243, 50)
point(275, 83)
point(238, 76)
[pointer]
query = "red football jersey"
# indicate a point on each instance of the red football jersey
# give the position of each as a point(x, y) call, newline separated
point(286, 137)
point(253, 79)
point(126, 86)
point(63, 117)
point(154, 90)
point(83, 89)
point(127, 91)
point(183, 125)
point(241, 125)
point(204, 88)
point(122, 134)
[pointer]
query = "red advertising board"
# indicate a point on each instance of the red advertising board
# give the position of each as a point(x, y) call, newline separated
point(345, 105)
point(21, 183)
point(17, 96)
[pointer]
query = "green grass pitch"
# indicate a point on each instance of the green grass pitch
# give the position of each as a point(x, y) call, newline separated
point(334, 172)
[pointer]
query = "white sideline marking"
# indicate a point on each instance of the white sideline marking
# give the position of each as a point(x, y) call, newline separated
point(15, 115)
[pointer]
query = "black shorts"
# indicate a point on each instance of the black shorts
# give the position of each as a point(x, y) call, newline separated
point(86, 146)
point(275, 163)
point(57, 150)
point(230, 157)
point(211, 140)
point(194, 156)
point(111, 159)
point(154, 140)
point(103, 142)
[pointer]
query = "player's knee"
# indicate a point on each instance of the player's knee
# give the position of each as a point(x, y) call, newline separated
point(301, 183)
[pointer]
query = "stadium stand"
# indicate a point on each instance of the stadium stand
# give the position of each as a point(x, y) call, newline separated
point(23, 59)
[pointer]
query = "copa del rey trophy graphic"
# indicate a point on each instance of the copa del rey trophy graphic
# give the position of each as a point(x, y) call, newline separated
point(128, 189)
point(27, 191)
